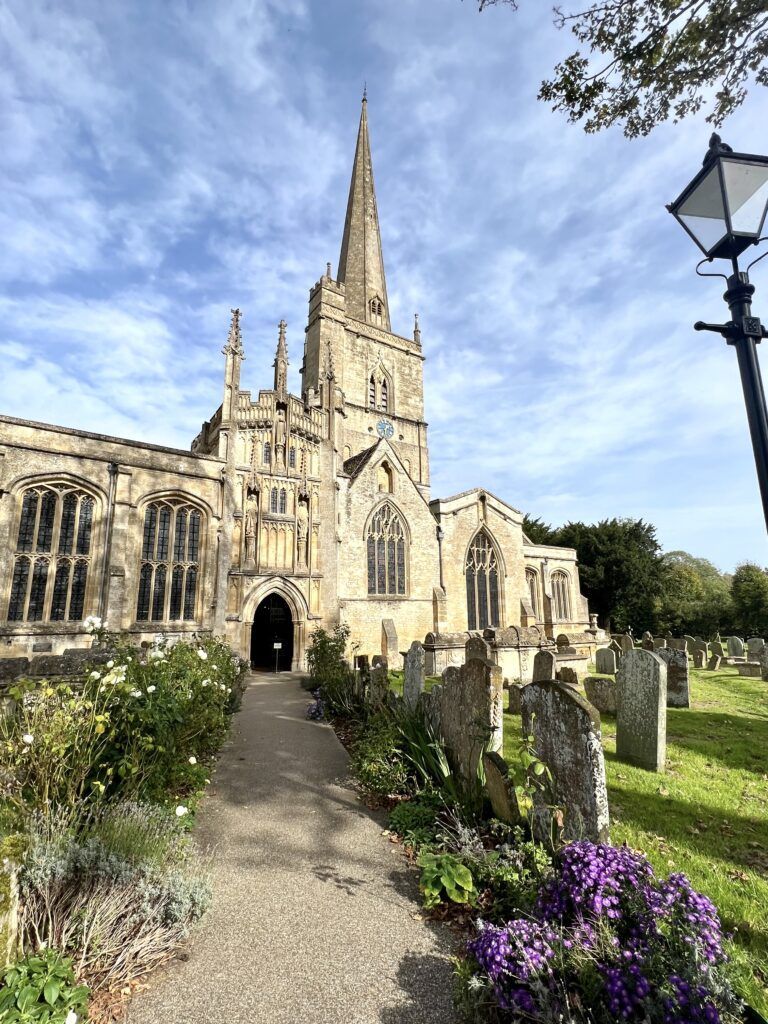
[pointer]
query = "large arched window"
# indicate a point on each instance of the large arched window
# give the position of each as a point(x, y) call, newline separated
point(53, 555)
point(283, 501)
point(532, 582)
point(170, 562)
point(273, 500)
point(386, 552)
point(482, 573)
point(561, 600)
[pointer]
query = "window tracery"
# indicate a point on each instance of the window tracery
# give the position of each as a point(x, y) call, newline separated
point(561, 600)
point(53, 555)
point(482, 577)
point(531, 580)
point(170, 562)
point(376, 309)
point(273, 500)
point(386, 559)
point(267, 453)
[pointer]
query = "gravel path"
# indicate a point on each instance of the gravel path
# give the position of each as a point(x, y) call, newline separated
point(313, 911)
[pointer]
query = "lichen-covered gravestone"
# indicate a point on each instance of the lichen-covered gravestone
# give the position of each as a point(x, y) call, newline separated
point(660, 643)
point(717, 649)
point(413, 674)
point(601, 693)
point(429, 708)
point(678, 690)
point(699, 658)
point(735, 647)
point(476, 647)
point(379, 684)
point(755, 644)
point(647, 642)
point(566, 731)
point(714, 663)
point(567, 676)
point(641, 710)
point(471, 715)
point(626, 643)
point(500, 788)
point(544, 666)
point(605, 662)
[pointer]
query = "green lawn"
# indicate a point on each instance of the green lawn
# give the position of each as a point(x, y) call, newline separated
point(396, 682)
point(708, 814)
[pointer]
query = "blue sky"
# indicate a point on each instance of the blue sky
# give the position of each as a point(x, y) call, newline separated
point(162, 162)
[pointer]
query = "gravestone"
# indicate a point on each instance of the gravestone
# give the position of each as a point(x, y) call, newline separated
point(515, 690)
point(755, 644)
point(716, 649)
point(390, 648)
point(613, 646)
point(500, 788)
point(605, 661)
point(413, 674)
point(362, 676)
point(699, 658)
point(566, 731)
point(714, 663)
point(476, 647)
point(690, 641)
point(678, 643)
point(567, 676)
point(764, 664)
point(735, 647)
point(753, 669)
point(626, 643)
point(601, 693)
point(678, 689)
point(471, 715)
point(544, 666)
point(647, 642)
point(700, 648)
point(641, 710)
point(660, 643)
point(379, 680)
point(429, 708)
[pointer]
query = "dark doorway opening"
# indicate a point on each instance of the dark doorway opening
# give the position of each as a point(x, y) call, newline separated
point(272, 624)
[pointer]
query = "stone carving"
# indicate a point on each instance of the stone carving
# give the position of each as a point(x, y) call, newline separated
point(413, 674)
point(714, 663)
point(544, 666)
point(735, 647)
point(678, 691)
point(605, 661)
point(471, 715)
point(251, 522)
point(601, 693)
point(641, 710)
point(500, 789)
point(566, 730)
point(302, 531)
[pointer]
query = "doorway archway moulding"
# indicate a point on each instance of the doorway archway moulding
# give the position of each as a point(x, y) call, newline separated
point(297, 604)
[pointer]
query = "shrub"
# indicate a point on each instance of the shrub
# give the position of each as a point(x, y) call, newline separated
point(607, 940)
point(425, 753)
point(41, 989)
point(445, 876)
point(377, 758)
point(512, 872)
point(329, 671)
point(416, 819)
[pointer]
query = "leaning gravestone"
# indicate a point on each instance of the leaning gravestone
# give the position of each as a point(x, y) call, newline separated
point(714, 663)
point(605, 662)
point(735, 647)
point(601, 693)
point(476, 647)
point(717, 649)
point(647, 641)
point(500, 788)
point(413, 674)
point(544, 666)
point(641, 710)
point(471, 715)
point(678, 688)
point(699, 658)
point(566, 731)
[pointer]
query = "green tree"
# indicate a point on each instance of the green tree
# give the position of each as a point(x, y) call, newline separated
point(695, 597)
point(640, 62)
point(749, 591)
point(538, 532)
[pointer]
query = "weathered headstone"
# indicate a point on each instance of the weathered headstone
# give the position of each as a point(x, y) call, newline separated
point(605, 661)
point(567, 676)
point(613, 646)
point(699, 658)
point(678, 643)
point(515, 690)
point(702, 650)
point(379, 680)
point(755, 644)
point(647, 642)
point(477, 647)
point(500, 788)
point(660, 643)
point(626, 643)
point(544, 666)
point(678, 688)
point(601, 693)
point(390, 648)
point(471, 715)
point(641, 710)
point(735, 647)
point(362, 676)
point(413, 674)
point(752, 669)
point(690, 641)
point(716, 649)
point(566, 731)
point(429, 707)
point(714, 663)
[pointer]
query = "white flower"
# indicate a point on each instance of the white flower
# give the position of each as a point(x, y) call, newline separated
point(193, 759)
point(110, 663)
point(151, 689)
point(206, 682)
point(95, 674)
point(93, 623)
point(156, 655)
point(71, 1018)
point(28, 738)
point(181, 810)
point(135, 693)
point(202, 655)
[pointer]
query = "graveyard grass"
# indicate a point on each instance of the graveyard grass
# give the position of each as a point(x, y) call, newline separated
point(707, 816)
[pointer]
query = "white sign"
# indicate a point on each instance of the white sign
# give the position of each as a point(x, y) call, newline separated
point(278, 647)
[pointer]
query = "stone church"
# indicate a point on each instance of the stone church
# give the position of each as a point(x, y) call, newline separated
point(289, 512)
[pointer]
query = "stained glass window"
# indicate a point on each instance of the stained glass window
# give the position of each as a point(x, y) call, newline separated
point(170, 557)
point(482, 577)
point(386, 561)
point(47, 585)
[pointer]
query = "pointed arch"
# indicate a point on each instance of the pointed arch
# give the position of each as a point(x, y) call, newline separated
point(387, 552)
point(561, 595)
point(482, 568)
point(532, 585)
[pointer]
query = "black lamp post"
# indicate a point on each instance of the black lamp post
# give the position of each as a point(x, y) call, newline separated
point(723, 210)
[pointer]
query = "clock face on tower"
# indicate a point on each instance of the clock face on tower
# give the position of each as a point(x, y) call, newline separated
point(385, 429)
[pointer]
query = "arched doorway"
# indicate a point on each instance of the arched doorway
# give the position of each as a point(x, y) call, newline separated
point(272, 624)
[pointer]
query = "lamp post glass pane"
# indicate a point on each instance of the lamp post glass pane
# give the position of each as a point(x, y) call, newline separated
point(746, 189)
point(703, 212)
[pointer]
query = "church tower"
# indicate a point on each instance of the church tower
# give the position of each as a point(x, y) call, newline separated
point(377, 374)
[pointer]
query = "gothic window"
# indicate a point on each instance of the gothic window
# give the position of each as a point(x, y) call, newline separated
point(561, 603)
point(170, 563)
point(533, 590)
point(267, 453)
point(372, 393)
point(482, 575)
point(53, 555)
point(273, 500)
point(386, 552)
point(385, 478)
point(283, 501)
point(384, 396)
point(292, 458)
point(376, 307)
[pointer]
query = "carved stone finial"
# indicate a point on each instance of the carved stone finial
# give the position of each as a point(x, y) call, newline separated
point(365, 92)
point(330, 369)
point(235, 338)
point(281, 328)
point(416, 328)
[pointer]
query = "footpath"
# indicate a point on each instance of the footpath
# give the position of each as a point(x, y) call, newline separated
point(315, 914)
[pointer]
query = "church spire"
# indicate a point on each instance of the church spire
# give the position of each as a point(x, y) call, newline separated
point(361, 266)
point(281, 362)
